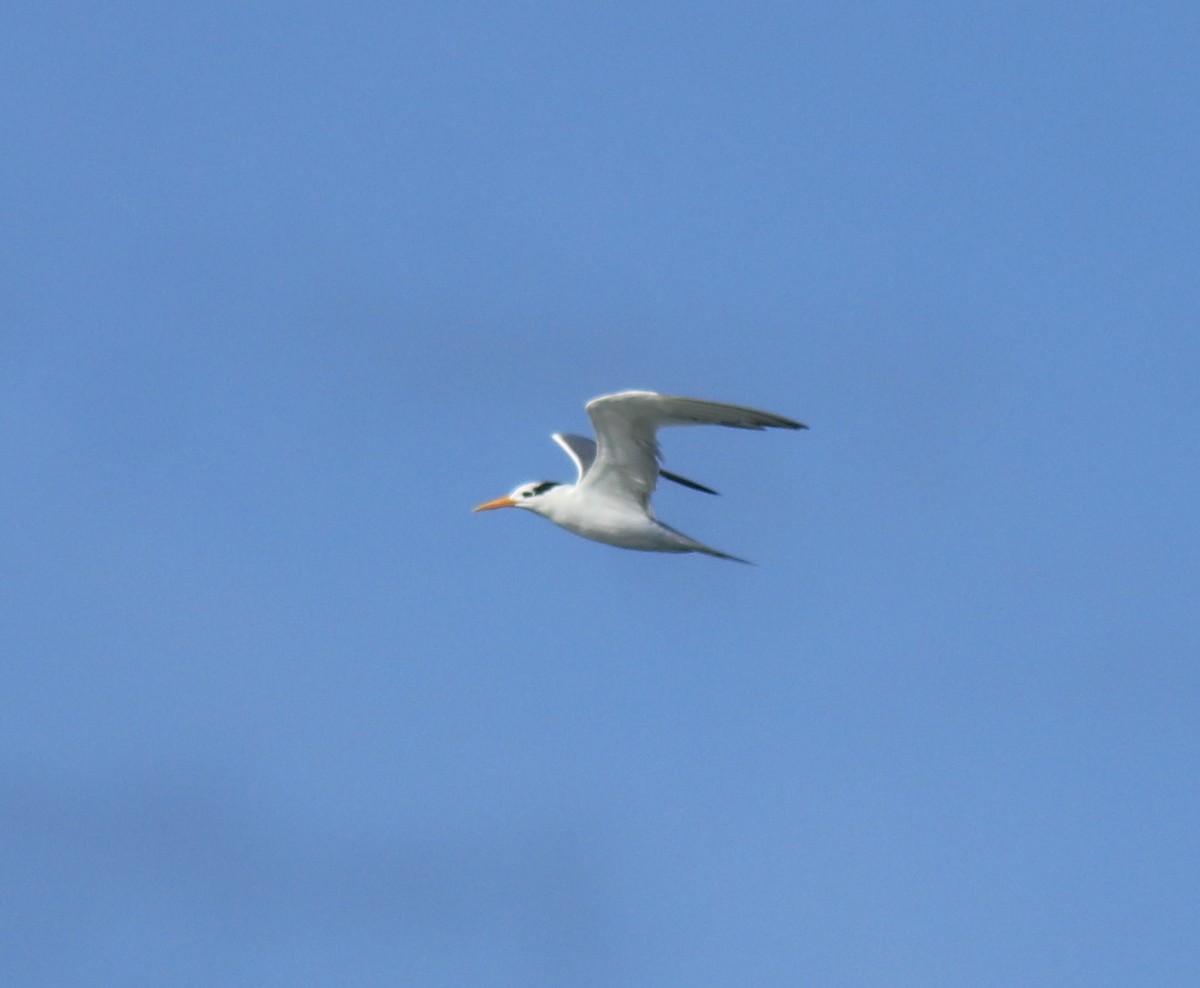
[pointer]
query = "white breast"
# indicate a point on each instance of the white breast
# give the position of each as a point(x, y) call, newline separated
point(613, 521)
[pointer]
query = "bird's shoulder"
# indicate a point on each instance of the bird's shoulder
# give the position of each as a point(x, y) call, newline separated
point(621, 398)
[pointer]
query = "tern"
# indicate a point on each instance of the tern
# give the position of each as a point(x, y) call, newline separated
point(610, 499)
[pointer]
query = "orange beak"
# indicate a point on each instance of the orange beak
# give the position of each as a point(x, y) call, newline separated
point(500, 502)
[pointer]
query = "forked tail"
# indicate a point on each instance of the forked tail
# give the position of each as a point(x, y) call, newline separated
point(709, 551)
point(689, 544)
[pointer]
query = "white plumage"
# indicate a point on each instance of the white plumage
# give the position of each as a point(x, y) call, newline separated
point(617, 473)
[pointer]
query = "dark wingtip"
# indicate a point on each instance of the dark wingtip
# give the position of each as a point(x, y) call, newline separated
point(684, 482)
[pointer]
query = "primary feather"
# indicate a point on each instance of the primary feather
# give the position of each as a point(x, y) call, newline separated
point(627, 457)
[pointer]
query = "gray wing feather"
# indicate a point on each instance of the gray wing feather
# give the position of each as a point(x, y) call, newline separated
point(583, 453)
point(580, 449)
point(626, 423)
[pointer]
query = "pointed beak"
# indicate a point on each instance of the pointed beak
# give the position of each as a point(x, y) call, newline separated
point(500, 502)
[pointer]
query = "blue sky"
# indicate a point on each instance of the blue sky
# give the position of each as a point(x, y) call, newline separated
point(286, 289)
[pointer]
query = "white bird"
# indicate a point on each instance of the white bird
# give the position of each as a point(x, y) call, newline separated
point(610, 499)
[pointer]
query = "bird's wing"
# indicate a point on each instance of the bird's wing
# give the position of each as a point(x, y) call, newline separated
point(626, 463)
point(582, 452)
point(580, 449)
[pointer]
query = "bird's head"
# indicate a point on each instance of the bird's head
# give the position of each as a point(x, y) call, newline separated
point(535, 496)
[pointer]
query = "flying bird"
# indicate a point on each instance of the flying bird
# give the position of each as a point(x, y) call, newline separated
point(610, 499)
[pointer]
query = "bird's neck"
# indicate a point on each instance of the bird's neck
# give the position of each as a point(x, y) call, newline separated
point(554, 503)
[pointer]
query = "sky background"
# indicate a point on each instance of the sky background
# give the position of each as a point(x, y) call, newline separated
point(285, 289)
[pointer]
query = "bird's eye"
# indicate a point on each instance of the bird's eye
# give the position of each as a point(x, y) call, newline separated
point(526, 493)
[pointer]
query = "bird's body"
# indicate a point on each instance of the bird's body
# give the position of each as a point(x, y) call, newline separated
point(614, 521)
point(610, 500)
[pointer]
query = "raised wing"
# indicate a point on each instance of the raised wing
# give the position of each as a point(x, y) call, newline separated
point(626, 423)
point(582, 452)
point(580, 449)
